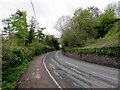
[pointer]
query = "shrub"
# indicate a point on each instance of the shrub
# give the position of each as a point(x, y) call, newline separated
point(15, 59)
point(111, 51)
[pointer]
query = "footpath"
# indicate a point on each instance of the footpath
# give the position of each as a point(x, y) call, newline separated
point(36, 76)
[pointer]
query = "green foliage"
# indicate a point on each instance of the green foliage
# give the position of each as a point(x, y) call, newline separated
point(42, 48)
point(12, 74)
point(106, 21)
point(51, 41)
point(17, 25)
point(110, 39)
point(86, 26)
point(111, 51)
point(20, 44)
point(31, 35)
point(13, 65)
point(92, 32)
point(15, 59)
point(80, 28)
point(108, 45)
point(40, 35)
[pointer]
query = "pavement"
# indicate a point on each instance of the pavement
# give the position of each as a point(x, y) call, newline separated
point(36, 76)
point(55, 70)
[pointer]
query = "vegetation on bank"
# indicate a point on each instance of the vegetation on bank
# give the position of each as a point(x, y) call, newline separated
point(21, 41)
point(110, 51)
point(87, 31)
point(108, 45)
point(91, 31)
point(109, 40)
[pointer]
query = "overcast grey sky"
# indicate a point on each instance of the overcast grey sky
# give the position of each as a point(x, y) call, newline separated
point(48, 11)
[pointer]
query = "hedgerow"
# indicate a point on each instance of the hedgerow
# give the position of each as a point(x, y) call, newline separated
point(111, 51)
point(16, 59)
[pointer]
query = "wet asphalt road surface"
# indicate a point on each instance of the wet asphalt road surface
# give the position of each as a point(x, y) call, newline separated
point(55, 70)
point(73, 73)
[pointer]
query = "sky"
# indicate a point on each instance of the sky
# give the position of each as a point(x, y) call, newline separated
point(48, 11)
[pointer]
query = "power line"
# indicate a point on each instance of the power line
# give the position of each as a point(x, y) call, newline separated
point(33, 9)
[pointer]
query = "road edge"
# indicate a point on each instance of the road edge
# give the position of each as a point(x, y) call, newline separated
point(43, 59)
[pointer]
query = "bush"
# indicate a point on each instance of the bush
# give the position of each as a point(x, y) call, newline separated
point(21, 42)
point(15, 60)
point(111, 51)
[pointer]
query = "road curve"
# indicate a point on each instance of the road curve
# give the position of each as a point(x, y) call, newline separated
point(73, 73)
point(35, 76)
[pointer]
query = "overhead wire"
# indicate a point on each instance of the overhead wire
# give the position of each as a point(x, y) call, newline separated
point(34, 14)
point(33, 9)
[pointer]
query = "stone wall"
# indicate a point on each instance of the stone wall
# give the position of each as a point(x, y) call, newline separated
point(97, 59)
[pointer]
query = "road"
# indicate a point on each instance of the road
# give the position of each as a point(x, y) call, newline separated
point(67, 72)
point(35, 76)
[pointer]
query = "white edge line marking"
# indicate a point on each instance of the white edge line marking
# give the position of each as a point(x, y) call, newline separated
point(51, 74)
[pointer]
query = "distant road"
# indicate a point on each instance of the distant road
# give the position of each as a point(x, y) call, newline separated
point(67, 72)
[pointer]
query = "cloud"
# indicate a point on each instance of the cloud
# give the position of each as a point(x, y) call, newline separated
point(48, 11)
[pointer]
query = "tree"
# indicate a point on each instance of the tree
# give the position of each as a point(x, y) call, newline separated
point(51, 41)
point(61, 24)
point(106, 21)
point(31, 35)
point(40, 34)
point(95, 12)
point(55, 43)
point(16, 25)
point(80, 28)
point(32, 26)
point(114, 7)
point(7, 30)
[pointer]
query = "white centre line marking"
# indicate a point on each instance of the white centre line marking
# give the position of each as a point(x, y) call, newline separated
point(57, 74)
point(57, 53)
point(104, 76)
point(51, 65)
point(75, 84)
point(65, 61)
point(92, 71)
point(71, 64)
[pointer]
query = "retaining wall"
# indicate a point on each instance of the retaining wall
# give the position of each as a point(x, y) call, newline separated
point(97, 59)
